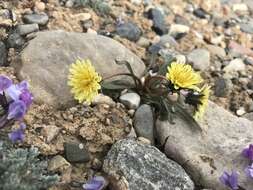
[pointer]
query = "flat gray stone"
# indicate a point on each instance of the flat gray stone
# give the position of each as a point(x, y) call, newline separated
point(200, 58)
point(40, 19)
point(45, 62)
point(25, 29)
point(216, 51)
point(235, 65)
point(205, 155)
point(144, 167)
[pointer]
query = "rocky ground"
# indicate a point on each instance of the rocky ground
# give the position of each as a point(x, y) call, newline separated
point(215, 36)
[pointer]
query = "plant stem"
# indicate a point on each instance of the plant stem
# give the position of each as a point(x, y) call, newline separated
point(127, 74)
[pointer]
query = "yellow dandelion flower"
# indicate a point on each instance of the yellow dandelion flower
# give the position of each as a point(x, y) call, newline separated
point(200, 110)
point(183, 76)
point(84, 81)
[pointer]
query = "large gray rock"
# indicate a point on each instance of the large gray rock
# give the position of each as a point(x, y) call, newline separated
point(144, 168)
point(205, 155)
point(45, 62)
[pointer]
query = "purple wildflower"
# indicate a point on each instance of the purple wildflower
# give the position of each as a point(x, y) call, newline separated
point(18, 135)
point(20, 91)
point(96, 183)
point(249, 171)
point(26, 97)
point(4, 83)
point(14, 92)
point(230, 180)
point(248, 152)
point(17, 110)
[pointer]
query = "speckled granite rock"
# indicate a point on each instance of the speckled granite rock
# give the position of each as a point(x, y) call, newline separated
point(144, 167)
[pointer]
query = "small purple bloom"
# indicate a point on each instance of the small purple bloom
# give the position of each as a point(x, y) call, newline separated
point(23, 85)
point(15, 90)
point(18, 135)
point(96, 183)
point(249, 171)
point(248, 152)
point(4, 83)
point(230, 180)
point(17, 110)
point(26, 97)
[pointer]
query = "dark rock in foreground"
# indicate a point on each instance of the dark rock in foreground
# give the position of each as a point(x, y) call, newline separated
point(144, 167)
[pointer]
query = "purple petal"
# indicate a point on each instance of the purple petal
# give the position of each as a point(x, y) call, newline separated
point(5, 83)
point(26, 97)
point(17, 110)
point(23, 85)
point(224, 178)
point(233, 180)
point(17, 135)
point(230, 180)
point(248, 152)
point(249, 171)
point(14, 92)
point(96, 183)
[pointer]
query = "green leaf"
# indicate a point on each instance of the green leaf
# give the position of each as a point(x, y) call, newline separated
point(114, 88)
point(117, 85)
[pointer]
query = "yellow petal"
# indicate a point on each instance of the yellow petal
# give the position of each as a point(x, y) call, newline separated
point(83, 80)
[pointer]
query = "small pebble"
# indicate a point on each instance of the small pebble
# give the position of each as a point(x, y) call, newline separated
point(15, 40)
point(235, 65)
point(69, 3)
point(76, 153)
point(201, 13)
point(240, 111)
point(131, 112)
point(58, 164)
point(129, 30)
point(50, 132)
point(158, 21)
point(130, 100)
point(144, 140)
point(40, 19)
point(40, 6)
point(25, 29)
point(96, 164)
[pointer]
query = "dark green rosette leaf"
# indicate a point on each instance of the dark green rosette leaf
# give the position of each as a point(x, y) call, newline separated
point(117, 85)
point(114, 88)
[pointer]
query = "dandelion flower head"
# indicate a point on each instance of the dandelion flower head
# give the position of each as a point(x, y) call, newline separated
point(84, 81)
